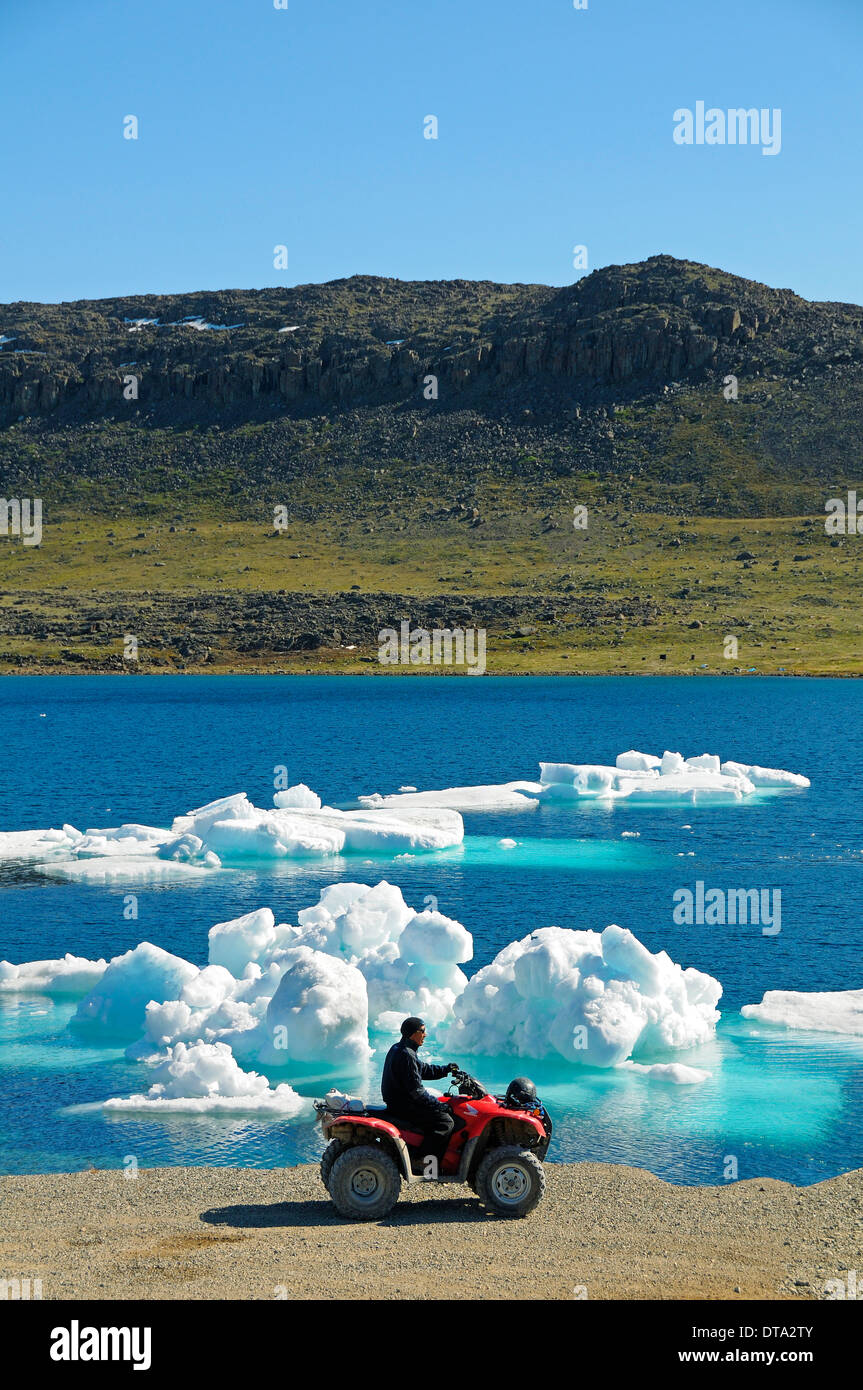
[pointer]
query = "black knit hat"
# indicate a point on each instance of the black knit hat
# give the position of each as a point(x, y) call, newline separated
point(411, 1026)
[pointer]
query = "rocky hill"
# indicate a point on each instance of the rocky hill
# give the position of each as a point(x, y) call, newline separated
point(618, 377)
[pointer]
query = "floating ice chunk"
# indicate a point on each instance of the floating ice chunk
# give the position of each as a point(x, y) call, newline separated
point(691, 786)
point(274, 834)
point(199, 822)
point(118, 868)
point(398, 989)
point(319, 1013)
point(229, 1019)
point(409, 960)
point(34, 844)
point(671, 763)
point(181, 848)
point(435, 940)
point(705, 762)
point(507, 843)
point(352, 920)
point(117, 1003)
point(206, 1078)
point(765, 776)
point(508, 796)
point(299, 797)
point(120, 840)
point(579, 779)
point(829, 1011)
point(637, 762)
point(594, 998)
point(234, 944)
point(72, 975)
point(674, 1072)
point(419, 828)
point(234, 829)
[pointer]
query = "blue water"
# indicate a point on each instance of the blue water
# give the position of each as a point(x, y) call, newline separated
point(114, 749)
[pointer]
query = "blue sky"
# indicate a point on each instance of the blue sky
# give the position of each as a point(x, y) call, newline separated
point(304, 127)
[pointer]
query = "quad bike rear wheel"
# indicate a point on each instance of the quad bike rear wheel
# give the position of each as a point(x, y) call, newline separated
point(510, 1181)
point(364, 1183)
point(328, 1158)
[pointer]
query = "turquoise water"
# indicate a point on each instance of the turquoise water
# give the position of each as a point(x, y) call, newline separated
point(110, 750)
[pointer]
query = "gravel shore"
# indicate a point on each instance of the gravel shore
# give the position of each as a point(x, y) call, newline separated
point(602, 1231)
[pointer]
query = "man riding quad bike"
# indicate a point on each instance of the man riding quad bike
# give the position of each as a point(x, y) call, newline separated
point(495, 1144)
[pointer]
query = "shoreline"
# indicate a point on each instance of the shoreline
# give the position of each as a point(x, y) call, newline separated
point(602, 1231)
point(70, 670)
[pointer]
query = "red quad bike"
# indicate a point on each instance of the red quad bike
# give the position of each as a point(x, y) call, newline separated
point(497, 1148)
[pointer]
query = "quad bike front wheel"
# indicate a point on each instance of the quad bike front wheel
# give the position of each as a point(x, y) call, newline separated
point(364, 1183)
point(328, 1158)
point(510, 1181)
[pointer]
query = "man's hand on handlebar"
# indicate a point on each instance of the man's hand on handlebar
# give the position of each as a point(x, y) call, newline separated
point(453, 1068)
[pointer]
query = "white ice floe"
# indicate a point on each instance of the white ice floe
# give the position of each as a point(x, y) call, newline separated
point(702, 778)
point(235, 829)
point(231, 830)
point(117, 868)
point(765, 776)
point(594, 998)
point(831, 1011)
point(206, 1078)
point(508, 796)
point(675, 1072)
point(73, 975)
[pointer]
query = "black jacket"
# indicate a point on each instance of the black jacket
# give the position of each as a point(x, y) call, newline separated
point(401, 1083)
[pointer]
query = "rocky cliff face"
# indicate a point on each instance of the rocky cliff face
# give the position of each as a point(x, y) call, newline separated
point(366, 341)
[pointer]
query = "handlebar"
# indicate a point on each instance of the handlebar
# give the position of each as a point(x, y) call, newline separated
point(467, 1085)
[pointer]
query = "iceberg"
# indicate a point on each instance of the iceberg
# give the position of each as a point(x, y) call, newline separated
point(829, 1011)
point(595, 998)
point(325, 992)
point(206, 1078)
point(115, 1005)
point(320, 1010)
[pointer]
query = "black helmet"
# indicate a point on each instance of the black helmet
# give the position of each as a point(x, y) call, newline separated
point(521, 1094)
